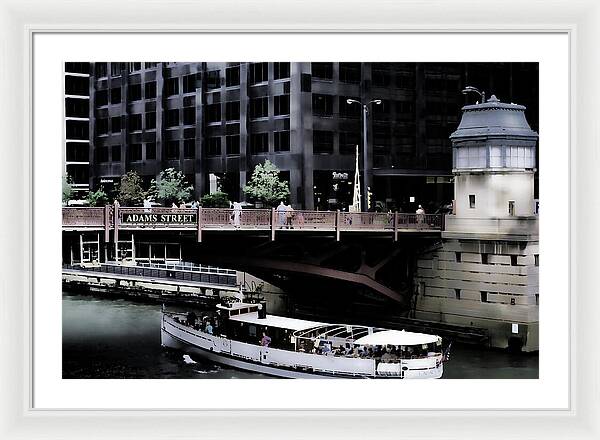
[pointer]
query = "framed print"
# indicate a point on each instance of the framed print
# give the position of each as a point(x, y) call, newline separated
point(248, 198)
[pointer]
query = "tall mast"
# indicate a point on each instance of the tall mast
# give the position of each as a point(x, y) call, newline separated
point(356, 196)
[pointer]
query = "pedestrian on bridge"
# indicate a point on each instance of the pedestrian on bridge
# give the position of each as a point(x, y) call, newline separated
point(420, 216)
point(237, 213)
point(282, 213)
point(289, 216)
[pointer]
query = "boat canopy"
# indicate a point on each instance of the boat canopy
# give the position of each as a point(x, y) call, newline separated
point(274, 321)
point(396, 337)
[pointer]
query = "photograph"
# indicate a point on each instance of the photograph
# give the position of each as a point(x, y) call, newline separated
point(300, 219)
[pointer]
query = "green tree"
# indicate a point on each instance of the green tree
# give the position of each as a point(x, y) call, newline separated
point(265, 186)
point(171, 187)
point(97, 198)
point(217, 199)
point(67, 188)
point(131, 192)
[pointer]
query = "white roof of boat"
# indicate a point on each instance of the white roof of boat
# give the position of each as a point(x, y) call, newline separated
point(396, 337)
point(276, 321)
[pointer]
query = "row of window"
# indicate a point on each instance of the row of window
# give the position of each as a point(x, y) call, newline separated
point(259, 143)
point(323, 105)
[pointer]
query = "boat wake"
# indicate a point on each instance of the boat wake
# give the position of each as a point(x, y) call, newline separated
point(188, 360)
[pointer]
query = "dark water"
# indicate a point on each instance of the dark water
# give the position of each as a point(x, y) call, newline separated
point(118, 338)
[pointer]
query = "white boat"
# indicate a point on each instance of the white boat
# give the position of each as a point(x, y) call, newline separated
point(246, 337)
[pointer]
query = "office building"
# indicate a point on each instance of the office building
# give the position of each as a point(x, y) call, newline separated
point(216, 121)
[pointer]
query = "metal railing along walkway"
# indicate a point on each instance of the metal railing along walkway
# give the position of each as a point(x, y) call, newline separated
point(117, 218)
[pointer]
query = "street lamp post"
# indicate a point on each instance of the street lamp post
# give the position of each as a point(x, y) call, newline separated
point(365, 182)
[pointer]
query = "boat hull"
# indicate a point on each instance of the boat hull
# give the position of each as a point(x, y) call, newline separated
point(216, 350)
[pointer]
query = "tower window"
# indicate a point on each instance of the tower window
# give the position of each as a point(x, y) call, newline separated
point(484, 258)
point(472, 201)
point(457, 293)
point(513, 260)
point(458, 257)
point(484, 297)
point(511, 208)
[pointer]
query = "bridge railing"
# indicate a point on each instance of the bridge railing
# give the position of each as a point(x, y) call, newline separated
point(302, 219)
point(259, 219)
point(230, 218)
point(83, 217)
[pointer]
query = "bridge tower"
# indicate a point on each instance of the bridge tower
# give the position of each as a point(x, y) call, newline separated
point(485, 273)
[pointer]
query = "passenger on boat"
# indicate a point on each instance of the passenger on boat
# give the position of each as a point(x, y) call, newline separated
point(191, 319)
point(208, 328)
point(265, 340)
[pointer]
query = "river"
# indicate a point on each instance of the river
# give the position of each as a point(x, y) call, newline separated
point(118, 338)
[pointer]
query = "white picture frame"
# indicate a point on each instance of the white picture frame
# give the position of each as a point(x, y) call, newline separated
point(18, 24)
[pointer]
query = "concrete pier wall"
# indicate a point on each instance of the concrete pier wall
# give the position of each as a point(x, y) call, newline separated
point(489, 284)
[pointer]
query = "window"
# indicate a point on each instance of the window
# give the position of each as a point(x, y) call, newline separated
point(281, 70)
point(322, 142)
point(380, 77)
point(189, 83)
point(151, 150)
point(381, 112)
point(172, 150)
point(77, 129)
point(513, 260)
point(172, 117)
point(232, 76)
point(232, 111)
point(189, 115)
point(213, 113)
point(322, 105)
point(135, 92)
point(135, 122)
point(150, 65)
point(150, 89)
point(135, 152)
point(322, 70)
point(77, 85)
point(511, 208)
point(484, 258)
point(189, 148)
point(134, 67)
point(172, 86)
point(484, 297)
point(259, 143)
point(213, 79)
point(232, 144)
point(472, 201)
point(536, 259)
point(458, 257)
point(471, 157)
point(282, 141)
point(116, 153)
point(101, 69)
point(259, 72)
point(115, 124)
point(115, 95)
point(305, 82)
point(259, 107)
point(457, 293)
point(404, 81)
point(349, 110)
point(348, 142)
point(101, 98)
point(102, 154)
point(282, 105)
point(213, 146)
point(350, 72)
point(101, 126)
point(115, 69)
point(150, 120)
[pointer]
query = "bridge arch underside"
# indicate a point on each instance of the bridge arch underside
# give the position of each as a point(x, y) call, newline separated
point(318, 271)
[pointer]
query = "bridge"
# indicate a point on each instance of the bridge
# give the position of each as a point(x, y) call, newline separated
point(267, 221)
point(334, 256)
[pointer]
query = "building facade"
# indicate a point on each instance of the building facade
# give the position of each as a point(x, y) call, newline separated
point(216, 121)
point(77, 122)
